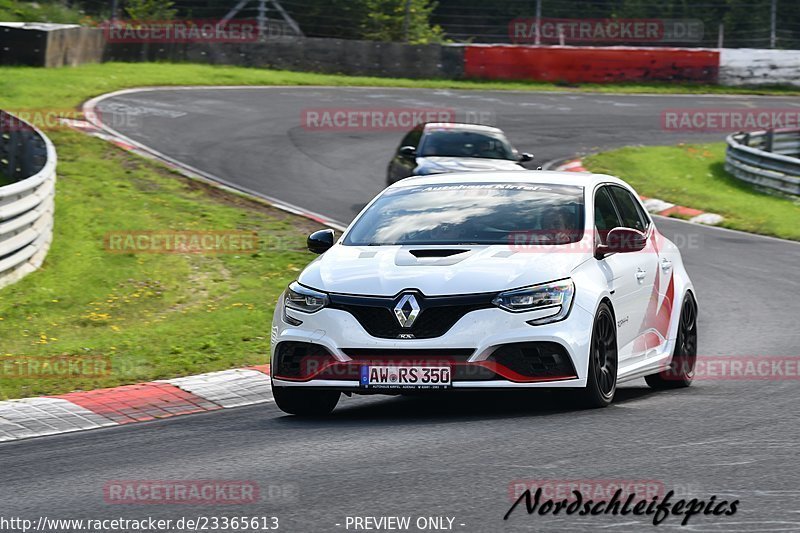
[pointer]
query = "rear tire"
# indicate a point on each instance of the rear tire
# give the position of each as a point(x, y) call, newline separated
point(300, 402)
point(601, 382)
point(680, 372)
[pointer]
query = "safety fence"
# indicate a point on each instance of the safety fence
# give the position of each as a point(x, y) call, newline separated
point(53, 45)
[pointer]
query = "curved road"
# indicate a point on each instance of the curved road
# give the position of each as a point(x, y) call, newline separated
point(451, 457)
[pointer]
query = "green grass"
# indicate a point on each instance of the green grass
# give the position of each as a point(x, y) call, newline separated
point(155, 315)
point(694, 176)
point(42, 11)
point(67, 88)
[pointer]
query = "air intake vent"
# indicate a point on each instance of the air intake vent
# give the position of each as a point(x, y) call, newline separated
point(435, 252)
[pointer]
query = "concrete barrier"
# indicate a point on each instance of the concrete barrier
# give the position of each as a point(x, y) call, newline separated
point(49, 45)
point(590, 65)
point(332, 56)
point(747, 66)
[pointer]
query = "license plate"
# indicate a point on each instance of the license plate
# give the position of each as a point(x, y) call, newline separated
point(405, 377)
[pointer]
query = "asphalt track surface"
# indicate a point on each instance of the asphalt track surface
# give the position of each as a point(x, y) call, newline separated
point(453, 456)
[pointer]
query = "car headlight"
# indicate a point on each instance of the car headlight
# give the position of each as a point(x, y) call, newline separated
point(304, 299)
point(556, 296)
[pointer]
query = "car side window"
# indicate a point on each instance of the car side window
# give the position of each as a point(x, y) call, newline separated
point(632, 216)
point(605, 215)
point(411, 139)
point(643, 215)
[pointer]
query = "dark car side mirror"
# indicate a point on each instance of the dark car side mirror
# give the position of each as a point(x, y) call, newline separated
point(320, 241)
point(621, 241)
point(408, 151)
point(524, 157)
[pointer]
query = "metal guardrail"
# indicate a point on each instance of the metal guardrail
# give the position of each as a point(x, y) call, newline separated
point(768, 159)
point(27, 190)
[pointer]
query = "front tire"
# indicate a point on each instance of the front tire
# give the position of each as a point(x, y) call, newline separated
point(601, 382)
point(300, 402)
point(680, 372)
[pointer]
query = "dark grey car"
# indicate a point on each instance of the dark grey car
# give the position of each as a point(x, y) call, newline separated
point(435, 148)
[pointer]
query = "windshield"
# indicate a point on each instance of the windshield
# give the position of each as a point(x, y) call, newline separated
point(454, 143)
point(475, 213)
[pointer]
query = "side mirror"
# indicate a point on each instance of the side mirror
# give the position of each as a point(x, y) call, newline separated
point(320, 241)
point(621, 241)
point(524, 157)
point(408, 151)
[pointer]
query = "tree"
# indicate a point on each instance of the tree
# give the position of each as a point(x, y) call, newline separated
point(150, 9)
point(401, 20)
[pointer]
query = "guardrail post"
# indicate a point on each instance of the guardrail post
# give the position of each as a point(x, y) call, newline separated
point(769, 140)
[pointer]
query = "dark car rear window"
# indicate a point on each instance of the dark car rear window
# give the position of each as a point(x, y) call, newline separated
point(455, 143)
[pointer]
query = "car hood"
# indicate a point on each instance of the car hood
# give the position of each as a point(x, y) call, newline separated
point(463, 164)
point(388, 270)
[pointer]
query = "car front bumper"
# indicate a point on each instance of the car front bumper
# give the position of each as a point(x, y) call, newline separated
point(478, 344)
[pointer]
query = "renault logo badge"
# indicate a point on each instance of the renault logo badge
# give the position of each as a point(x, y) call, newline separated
point(406, 310)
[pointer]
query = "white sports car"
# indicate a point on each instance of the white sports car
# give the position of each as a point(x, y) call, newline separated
point(489, 280)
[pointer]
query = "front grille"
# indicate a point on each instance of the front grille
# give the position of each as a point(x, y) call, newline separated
point(535, 359)
point(437, 314)
point(457, 354)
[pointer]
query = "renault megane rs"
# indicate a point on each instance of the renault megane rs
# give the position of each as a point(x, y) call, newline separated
point(488, 280)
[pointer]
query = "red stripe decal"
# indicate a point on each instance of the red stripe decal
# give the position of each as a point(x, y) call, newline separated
point(658, 316)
